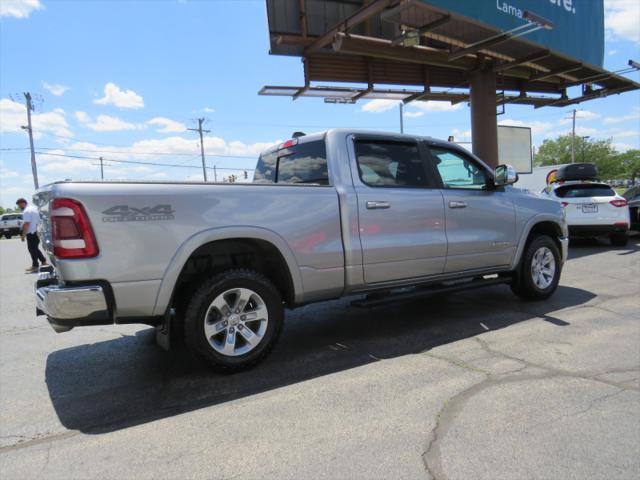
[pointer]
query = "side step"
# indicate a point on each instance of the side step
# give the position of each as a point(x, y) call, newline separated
point(420, 292)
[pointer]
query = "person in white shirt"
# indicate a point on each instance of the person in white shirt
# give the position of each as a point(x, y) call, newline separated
point(31, 220)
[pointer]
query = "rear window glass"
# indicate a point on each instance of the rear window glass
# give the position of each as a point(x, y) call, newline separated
point(12, 217)
point(303, 163)
point(579, 191)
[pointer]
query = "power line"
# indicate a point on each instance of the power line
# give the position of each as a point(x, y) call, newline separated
point(137, 162)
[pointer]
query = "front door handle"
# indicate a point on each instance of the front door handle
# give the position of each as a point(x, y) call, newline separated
point(375, 205)
point(457, 204)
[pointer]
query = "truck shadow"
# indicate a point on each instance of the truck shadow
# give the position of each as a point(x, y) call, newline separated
point(583, 247)
point(115, 384)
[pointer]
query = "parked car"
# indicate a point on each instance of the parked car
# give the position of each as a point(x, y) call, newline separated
point(330, 214)
point(10, 224)
point(592, 209)
point(632, 196)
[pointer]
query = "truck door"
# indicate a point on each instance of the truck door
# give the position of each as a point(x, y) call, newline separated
point(401, 211)
point(480, 219)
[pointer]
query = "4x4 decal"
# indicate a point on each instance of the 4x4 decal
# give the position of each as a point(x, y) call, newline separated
point(125, 213)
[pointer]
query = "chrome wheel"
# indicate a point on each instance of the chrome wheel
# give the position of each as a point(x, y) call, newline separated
point(543, 268)
point(236, 322)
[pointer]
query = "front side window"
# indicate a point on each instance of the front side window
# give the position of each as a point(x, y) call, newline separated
point(303, 163)
point(457, 171)
point(390, 164)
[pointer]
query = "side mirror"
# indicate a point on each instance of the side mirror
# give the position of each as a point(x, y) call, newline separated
point(505, 175)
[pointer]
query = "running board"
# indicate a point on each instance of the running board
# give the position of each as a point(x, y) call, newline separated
point(425, 292)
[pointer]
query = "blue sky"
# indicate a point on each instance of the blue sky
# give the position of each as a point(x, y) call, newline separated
point(123, 80)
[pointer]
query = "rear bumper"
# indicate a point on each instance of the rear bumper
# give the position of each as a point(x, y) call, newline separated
point(10, 230)
point(71, 306)
point(596, 230)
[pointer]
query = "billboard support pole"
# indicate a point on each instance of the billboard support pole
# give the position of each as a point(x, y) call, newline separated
point(484, 123)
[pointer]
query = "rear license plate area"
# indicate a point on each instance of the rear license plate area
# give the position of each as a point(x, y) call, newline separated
point(589, 208)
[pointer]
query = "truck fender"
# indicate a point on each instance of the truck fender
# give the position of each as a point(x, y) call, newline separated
point(184, 251)
point(533, 221)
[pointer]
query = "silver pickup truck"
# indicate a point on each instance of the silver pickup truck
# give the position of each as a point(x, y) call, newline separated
point(338, 213)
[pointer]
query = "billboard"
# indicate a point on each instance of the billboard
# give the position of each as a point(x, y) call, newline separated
point(514, 148)
point(578, 31)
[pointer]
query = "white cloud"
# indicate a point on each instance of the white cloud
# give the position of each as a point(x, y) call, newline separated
point(433, 106)
point(55, 89)
point(461, 135)
point(104, 123)
point(19, 8)
point(382, 105)
point(6, 173)
point(537, 127)
point(168, 125)
point(580, 115)
point(13, 116)
point(612, 52)
point(634, 115)
point(413, 114)
point(208, 110)
point(379, 105)
point(622, 18)
point(624, 133)
point(622, 147)
point(113, 95)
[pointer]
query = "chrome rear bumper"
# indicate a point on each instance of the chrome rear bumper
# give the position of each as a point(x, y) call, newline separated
point(70, 306)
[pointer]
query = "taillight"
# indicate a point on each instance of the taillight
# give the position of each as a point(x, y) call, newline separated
point(71, 231)
point(618, 203)
point(564, 204)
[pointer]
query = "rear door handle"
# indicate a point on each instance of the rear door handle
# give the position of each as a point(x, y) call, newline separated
point(457, 204)
point(375, 205)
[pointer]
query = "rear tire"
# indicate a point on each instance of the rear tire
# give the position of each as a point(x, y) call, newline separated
point(619, 239)
point(234, 320)
point(538, 274)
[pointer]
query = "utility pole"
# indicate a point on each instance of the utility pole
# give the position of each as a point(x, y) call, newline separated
point(573, 138)
point(200, 130)
point(401, 117)
point(29, 129)
point(215, 174)
point(101, 169)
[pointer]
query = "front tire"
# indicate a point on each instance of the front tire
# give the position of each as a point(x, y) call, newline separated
point(619, 239)
point(538, 274)
point(233, 320)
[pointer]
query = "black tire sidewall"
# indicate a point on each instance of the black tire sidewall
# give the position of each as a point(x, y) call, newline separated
point(619, 239)
point(527, 286)
point(195, 337)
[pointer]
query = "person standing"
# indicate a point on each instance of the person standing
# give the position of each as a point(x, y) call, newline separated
point(30, 222)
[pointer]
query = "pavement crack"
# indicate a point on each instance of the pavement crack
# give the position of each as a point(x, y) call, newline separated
point(457, 363)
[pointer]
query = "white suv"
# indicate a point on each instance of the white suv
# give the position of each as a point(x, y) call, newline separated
point(592, 209)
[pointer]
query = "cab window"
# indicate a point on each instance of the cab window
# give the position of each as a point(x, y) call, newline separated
point(302, 163)
point(458, 171)
point(390, 164)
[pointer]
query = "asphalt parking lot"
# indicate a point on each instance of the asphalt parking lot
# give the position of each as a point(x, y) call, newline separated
point(471, 385)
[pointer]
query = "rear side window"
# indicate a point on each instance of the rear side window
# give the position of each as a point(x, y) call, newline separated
point(580, 191)
point(303, 163)
point(390, 164)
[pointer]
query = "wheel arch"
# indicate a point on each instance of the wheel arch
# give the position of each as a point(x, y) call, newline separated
point(539, 225)
point(234, 241)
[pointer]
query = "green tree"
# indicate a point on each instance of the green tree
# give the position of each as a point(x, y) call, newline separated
point(629, 164)
point(558, 151)
point(599, 152)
